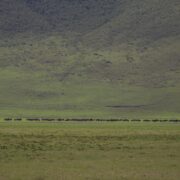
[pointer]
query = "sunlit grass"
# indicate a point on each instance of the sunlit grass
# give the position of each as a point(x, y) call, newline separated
point(89, 151)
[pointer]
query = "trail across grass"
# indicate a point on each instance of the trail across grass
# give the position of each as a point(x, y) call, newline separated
point(89, 150)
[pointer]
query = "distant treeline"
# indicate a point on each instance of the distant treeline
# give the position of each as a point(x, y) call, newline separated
point(89, 119)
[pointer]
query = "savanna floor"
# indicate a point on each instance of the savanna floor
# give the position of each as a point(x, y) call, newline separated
point(89, 150)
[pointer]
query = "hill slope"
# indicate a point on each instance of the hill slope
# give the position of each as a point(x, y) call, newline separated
point(83, 58)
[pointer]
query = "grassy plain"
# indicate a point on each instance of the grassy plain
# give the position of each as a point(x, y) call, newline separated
point(90, 150)
point(79, 58)
point(56, 76)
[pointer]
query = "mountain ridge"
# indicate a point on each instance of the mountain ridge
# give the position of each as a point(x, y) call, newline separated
point(77, 58)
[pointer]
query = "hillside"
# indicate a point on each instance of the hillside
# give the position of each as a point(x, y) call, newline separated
point(90, 58)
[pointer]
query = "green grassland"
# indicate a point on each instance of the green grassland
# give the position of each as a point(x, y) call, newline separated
point(82, 58)
point(47, 76)
point(44, 151)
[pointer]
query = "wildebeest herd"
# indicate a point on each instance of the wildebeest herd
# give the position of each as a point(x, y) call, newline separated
point(89, 119)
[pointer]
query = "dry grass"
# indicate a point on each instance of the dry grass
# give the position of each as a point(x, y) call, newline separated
point(40, 151)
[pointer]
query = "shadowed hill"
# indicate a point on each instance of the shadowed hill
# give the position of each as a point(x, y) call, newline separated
point(55, 15)
point(140, 20)
point(119, 19)
point(80, 58)
point(17, 17)
point(79, 15)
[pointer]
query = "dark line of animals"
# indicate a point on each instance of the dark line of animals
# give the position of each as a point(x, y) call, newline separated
point(91, 119)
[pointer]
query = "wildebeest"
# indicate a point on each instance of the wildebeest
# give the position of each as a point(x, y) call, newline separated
point(146, 120)
point(48, 119)
point(174, 120)
point(18, 119)
point(8, 119)
point(136, 120)
point(33, 119)
point(155, 120)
